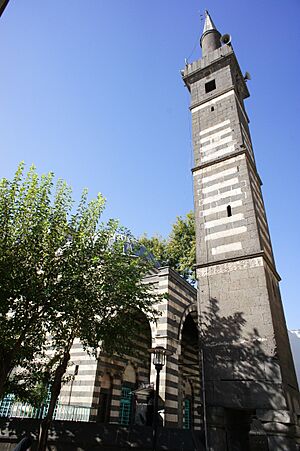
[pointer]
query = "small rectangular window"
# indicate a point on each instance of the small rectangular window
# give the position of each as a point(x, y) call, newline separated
point(210, 86)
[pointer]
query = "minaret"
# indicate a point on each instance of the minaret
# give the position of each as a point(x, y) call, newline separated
point(249, 378)
point(210, 39)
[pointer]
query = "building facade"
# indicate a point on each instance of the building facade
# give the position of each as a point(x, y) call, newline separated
point(250, 381)
point(119, 390)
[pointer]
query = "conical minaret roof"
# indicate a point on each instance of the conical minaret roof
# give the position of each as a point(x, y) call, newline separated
point(210, 39)
point(208, 24)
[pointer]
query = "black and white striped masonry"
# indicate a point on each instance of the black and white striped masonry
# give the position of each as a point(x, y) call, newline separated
point(99, 382)
point(248, 367)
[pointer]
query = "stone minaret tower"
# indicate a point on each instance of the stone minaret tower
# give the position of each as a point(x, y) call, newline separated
point(250, 386)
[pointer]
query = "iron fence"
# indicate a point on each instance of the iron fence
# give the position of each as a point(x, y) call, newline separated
point(11, 408)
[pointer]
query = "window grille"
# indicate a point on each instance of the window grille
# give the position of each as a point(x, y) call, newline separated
point(10, 407)
point(125, 406)
point(187, 414)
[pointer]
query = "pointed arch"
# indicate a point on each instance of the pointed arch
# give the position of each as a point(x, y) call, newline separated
point(129, 374)
point(190, 310)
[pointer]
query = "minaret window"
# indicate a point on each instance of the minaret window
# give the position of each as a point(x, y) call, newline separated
point(212, 108)
point(229, 212)
point(210, 86)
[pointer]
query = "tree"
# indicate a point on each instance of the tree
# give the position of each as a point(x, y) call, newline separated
point(62, 276)
point(177, 251)
point(182, 246)
point(157, 246)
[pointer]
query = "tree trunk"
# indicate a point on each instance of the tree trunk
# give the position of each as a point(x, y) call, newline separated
point(5, 369)
point(55, 391)
point(8, 358)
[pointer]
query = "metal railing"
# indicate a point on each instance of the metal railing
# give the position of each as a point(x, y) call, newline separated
point(10, 408)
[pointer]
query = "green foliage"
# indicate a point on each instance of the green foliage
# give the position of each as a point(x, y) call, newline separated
point(62, 275)
point(179, 249)
point(182, 246)
point(157, 246)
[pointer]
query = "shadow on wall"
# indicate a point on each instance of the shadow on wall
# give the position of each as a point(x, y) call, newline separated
point(244, 385)
point(69, 436)
point(240, 368)
point(294, 336)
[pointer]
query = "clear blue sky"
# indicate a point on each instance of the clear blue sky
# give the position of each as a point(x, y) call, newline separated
point(91, 90)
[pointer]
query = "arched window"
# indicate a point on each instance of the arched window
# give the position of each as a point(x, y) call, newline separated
point(229, 212)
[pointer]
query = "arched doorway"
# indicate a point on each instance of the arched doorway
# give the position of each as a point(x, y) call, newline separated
point(190, 375)
point(136, 376)
point(128, 373)
point(126, 401)
point(103, 413)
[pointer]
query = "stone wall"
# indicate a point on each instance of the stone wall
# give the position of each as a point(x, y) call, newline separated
point(97, 380)
point(71, 436)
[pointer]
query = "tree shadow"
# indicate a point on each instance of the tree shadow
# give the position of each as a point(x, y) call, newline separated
point(241, 368)
point(70, 435)
point(245, 395)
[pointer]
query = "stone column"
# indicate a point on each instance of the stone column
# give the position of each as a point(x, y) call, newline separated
point(115, 398)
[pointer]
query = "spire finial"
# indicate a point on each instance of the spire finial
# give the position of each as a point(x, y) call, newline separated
point(210, 39)
point(208, 24)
